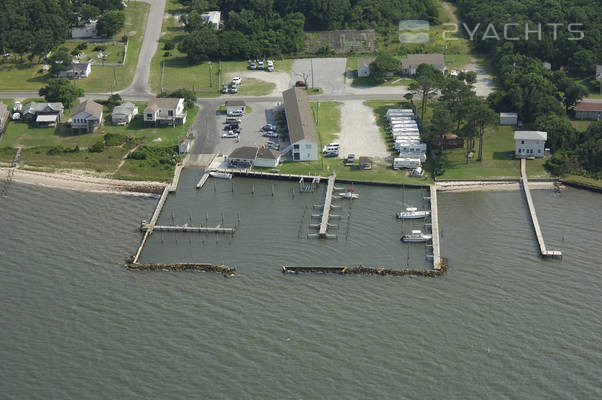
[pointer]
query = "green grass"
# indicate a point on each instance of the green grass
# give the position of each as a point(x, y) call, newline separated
point(581, 180)
point(26, 76)
point(106, 161)
point(457, 61)
point(581, 125)
point(114, 51)
point(7, 155)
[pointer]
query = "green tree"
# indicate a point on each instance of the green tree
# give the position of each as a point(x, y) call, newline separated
point(384, 64)
point(110, 23)
point(59, 60)
point(426, 85)
point(89, 11)
point(481, 116)
point(441, 123)
point(61, 90)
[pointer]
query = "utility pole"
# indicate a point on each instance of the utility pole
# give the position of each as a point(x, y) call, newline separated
point(210, 74)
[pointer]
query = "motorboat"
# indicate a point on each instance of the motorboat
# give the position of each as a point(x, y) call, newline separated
point(416, 237)
point(412, 213)
point(349, 194)
point(220, 175)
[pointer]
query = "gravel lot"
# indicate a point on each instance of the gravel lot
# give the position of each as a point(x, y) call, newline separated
point(329, 73)
point(359, 132)
point(280, 79)
point(484, 85)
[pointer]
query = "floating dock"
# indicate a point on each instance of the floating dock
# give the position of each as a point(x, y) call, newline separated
point(327, 204)
point(542, 246)
point(203, 180)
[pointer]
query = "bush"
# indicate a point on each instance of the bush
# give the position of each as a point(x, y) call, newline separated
point(114, 139)
point(168, 46)
point(139, 154)
point(124, 39)
point(53, 151)
point(81, 46)
point(166, 54)
point(100, 47)
point(97, 147)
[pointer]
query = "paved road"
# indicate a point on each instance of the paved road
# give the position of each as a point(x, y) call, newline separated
point(328, 73)
point(152, 34)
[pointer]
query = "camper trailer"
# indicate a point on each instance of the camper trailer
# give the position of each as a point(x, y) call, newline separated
point(406, 163)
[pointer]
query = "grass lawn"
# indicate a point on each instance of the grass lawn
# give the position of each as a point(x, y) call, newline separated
point(457, 61)
point(581, 180)
point(25, 76)
point(581, 125)
point(114, 51)
point(106, 161)
point(7, 155)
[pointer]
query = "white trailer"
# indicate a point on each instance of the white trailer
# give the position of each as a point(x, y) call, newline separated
point(406, 163)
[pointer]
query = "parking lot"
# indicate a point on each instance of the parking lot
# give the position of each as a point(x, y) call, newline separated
point(328, 73)
point(360, 134)
point(250, 135)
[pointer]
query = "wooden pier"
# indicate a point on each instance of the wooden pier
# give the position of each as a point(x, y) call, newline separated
point(435, 228)
point(327, 204)
point(267, 175)
point(203, 180)
point(542, 246)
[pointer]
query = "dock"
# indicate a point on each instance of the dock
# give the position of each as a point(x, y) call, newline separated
point(327, 204)
point(203, 180)
point(435, 228)
point(542, 246)
point(186, 228)
point(267, 175)
point(176, 177)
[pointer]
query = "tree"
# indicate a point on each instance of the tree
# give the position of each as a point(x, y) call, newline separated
point(583, 62)
point(61, 90)
point(426, 85)
point(59, 60)
point(110, 23)
point(572, 95)
point(441, 123)
point(89, 11)
point(481, 116)
point(384, 64)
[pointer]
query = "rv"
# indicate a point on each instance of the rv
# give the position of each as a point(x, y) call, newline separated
point(406, 163)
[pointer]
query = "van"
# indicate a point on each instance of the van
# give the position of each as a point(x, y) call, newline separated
point(232, 120)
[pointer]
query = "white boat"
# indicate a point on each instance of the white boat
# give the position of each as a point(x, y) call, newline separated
point(221, 175)
point(349, 195)
point(412, 213)
point(416, 237)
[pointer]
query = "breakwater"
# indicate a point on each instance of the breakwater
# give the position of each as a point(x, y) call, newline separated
point(360, 270)
point(197, 267)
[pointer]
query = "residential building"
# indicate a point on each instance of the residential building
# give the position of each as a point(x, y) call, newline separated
point(598, 72)
point(86, 117)
point(301, 129)
point(508, 118)
point(267, 158)
point(234, 106)
point(212, 17)
point(588, 110)
point(530, 144)
point(43, 115)
point(87, 30)
point(363, 67)
point(165, 111)
point(4, 116)
point(77, 70)
point(242, 157)
point(124, 113)
point(410, 64)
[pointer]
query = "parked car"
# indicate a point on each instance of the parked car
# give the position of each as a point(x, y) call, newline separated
point(233, 89)
point(270, 134)
point(16, 116)
point(229, 127)
point(252, 65)
point(300, 84)
point(236, 80)
point(230, 134)
point(270, 66)
point(260, 65)
point(224, 89)
point(17, 107)
point(331, 153)
point(274, 146)
point(350, 159)
point(269, 127)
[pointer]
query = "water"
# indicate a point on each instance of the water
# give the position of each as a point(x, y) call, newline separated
point(502, 324)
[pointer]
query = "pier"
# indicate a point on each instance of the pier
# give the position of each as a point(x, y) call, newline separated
point(327, 204)
point(267, 175)
point(186, 228)
point(176, 177)
point(542, 246)
point(435, 228)
point(203, 180)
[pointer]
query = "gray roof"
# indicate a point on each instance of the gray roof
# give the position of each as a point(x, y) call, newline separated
point(245, 152)
point(298, 116)
point(125, 108)
point(268, 153)
point(34, 107)
point(530, 135)
point(78, 67)
point(89, 106)
point(361, 62)
point(162, 102)
point(414, 60)
point(235, 103)
point(508, 115)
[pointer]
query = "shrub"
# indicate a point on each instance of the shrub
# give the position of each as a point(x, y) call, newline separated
point(81, 46)
point(114, 139)
point(97, 147)
point(55, 150)
point(124, 39)
point(168, 46)
point(139, 154)
point(166, 54)
point(100, 47)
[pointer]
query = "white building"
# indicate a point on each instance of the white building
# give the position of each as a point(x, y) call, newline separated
point(165, 111)
point(598, 72)
point(184, 146)
point(301, 129)
point(508, 118)
point(363, 67)
point(212, 17)
point(530, 144)
point(77, 70)
point(267, 158)
point(242, 157)
point(86, 117)
point(235, 106)
point(123, 114)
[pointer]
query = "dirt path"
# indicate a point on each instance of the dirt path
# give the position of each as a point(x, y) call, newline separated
point(125, 157)
point(447, 7)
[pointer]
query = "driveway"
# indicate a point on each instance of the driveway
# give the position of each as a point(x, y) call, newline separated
point(328, 73)
point(484, 85)
point(359, 132)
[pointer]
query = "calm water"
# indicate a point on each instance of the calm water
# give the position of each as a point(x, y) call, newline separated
point(502, 324)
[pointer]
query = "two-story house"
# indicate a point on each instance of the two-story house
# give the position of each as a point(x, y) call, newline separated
point(86, 117)
point(165, 111)
point(530, 144)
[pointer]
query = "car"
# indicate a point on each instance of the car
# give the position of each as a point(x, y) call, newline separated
point(236, 113)
point(17, 107)
point(229, 127)
point(16, 116)
point(350, 159)
point(252, 65)
point(273, 146)
point(233, 89)
point(236, 80)
point(260, 65)
point(269, 127)
point(224, 89)
point(331, 153)
point(270, 67)
point(270, 134)
point(300, 84)
point(230, 134)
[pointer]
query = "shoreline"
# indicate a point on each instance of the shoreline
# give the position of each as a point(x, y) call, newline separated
point(84, 182)
point(485, 186)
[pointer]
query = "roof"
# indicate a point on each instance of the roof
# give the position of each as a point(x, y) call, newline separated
point(162, 102)
point(47, 118)
point(89, 106)
point(246, 152)
point(125, 108)
point(298, 116)
point(235, 103)
point(509, 115)
point(414, 60)
point(79, 66)
point(364, 62)
point(365, 160)
point(268, 153)
point(530, 135)
point(35, 107)
point(589, 106)
point(212, 16)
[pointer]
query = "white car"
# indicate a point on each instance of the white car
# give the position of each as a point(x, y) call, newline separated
point(17, 107)
point(16, 116)
point(230, 134)
point(270, 67)
point(236, 80)
point(260, 65)
point(270, 134)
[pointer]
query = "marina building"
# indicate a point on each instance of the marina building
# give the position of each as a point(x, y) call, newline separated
point(530, 144)
point(301, 129)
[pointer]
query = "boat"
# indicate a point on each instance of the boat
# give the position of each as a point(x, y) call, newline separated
point(416, 237)
point(221, 175)
point(412, 213)
point(349, 195)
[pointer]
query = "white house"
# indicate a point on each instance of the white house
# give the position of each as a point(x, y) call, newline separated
point(86, 117)
point(267, 158)
point(77, 70)
point(363, 67)
point(301, 129)
point(86, 31)
point(508, 118)
point(530, 144)
point(242, 157)
point(184, 146)
point(165, 111)
point(124, 113)
point(235, 106)
point(212, 17)
point(410, 64)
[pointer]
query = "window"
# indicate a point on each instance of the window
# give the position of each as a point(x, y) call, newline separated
point(296, 156)
point(170, 113)
point(539, 150)
point(296, 147)
point(149, 116)
point(522, 142)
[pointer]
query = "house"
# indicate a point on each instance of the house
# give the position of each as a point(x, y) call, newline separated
point(235, 106)
point(589, 110)
point(547, 65)
point(508, 118)
point(123, 114)
point(77, 70)
point(242, 157)
point(86, 117)
point(165, 111)
point(43, 115)
point(184, 146)
point(450, 141)
point(365, 163)
point(267, 158)
point(363, 67)
point(212, 17)
point(87, 30)
point(599, 72)
point(530, 144)
point(4, 115)
point(410, 64)
point(301, 129)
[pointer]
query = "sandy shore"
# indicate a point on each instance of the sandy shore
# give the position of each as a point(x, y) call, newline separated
point(484, 186)
point(81, 181)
